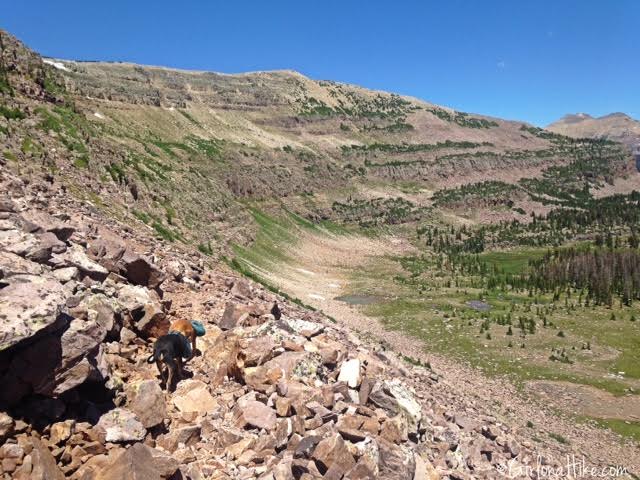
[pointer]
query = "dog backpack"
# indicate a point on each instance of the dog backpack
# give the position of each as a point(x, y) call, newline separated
point(198, 327)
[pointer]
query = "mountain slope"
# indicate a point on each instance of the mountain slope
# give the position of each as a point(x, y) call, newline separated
point(145, 143)
point(618, 127)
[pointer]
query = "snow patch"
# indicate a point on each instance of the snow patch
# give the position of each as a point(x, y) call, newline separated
point(99, 115)
point(58, 65)
point(316, 296)
point(306, 272)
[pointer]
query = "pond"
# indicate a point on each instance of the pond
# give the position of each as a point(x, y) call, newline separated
point(478, 305)
point(357, 299)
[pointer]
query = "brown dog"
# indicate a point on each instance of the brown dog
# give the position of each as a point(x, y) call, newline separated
point(186, 329)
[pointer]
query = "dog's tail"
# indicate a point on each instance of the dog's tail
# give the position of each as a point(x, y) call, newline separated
point(156, 355)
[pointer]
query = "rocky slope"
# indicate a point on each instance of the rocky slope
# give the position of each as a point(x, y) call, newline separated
point(82, 298)
point(618, 127)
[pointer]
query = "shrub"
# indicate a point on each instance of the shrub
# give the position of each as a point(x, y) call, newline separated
point(82, 161)
point(559, 438)
point(11, 113)
point(206, 248)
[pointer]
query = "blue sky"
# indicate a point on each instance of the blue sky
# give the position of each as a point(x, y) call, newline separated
point(526, 60)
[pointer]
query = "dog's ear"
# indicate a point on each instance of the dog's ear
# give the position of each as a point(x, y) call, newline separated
point(151, 359)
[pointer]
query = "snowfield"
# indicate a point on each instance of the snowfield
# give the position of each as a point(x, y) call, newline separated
point(58, 65)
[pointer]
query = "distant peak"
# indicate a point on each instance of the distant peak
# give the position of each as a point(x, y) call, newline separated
point(575, 117)
point(615, 115)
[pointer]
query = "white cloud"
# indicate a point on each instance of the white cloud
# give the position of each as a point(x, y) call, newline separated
point(501, 64)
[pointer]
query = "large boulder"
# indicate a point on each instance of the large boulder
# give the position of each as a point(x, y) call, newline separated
point(303, 327)
point(103, 310)
point(67, 355)
point(43, 464)
point(350, 372)
point(28, 305)
point(107, 252)
point(75, 256)
point(146, 399)
point(81, 338)
point(234, 315)
point(7, 205)
point(424, 469)
point(187, 436)
point(12, 264)
point(35, 247)
point(18, 242)
point(140, 271)
point(333, 457)
point(241, 289)
point(295, 364)
point(42, 222)
point(57, 363)
point(113, 254)
point(224, 358)
point(368, 463)
point(6, 426)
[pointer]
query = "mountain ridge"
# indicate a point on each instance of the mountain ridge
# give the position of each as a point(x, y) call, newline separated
point(617, 126)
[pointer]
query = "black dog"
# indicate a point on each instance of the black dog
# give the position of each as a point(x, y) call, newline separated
point(169, 349)
point(275, 311)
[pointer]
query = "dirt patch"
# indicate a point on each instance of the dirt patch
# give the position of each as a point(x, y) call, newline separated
point(586, 400)
point(322, 266)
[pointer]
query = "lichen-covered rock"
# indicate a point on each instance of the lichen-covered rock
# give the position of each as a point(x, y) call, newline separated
point(28, 305)
point(121, 425)
point(396, 398)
